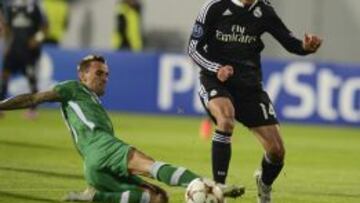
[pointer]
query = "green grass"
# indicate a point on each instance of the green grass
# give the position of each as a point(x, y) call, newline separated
point(38, 162)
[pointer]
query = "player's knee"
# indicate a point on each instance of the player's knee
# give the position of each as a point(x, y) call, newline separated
point(160, 197)
point(277, 154)
point(164, 198)
point(226, 123)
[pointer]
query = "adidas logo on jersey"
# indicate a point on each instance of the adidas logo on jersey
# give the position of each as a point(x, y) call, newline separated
point(227, 13)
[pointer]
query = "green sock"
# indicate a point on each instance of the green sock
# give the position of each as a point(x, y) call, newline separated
point(171, 175)
point(107, 197)
point(130, 196)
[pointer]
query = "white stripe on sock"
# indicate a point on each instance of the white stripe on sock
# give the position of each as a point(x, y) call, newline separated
point(267, 159)
point(155, 168)
point(145, 197)
point(221, 138)
point(176, 176)
point(125, 197)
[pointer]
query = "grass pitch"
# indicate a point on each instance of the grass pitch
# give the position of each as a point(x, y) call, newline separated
point(38, 162)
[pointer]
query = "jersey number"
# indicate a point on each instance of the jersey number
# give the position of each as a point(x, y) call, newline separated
point(267, 111)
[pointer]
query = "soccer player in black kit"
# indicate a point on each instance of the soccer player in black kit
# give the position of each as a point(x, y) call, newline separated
point(226, 44)
point(25, 27)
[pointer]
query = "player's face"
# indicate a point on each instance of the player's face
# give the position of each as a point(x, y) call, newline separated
point(96, 77)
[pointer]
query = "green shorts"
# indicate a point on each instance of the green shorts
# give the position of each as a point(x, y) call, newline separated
point(106, 169)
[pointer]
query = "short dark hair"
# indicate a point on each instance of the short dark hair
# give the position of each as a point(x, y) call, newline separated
point(85, 62)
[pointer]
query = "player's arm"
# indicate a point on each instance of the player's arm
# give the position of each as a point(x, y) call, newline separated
point(278, 29)
point(43, 27)
point(199, 37)
point(28, 100)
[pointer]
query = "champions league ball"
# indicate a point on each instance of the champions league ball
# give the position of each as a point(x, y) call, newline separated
point(203, 190)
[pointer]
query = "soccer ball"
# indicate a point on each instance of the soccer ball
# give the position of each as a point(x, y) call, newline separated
point(203, 190)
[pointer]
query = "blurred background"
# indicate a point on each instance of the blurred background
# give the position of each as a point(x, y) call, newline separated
point(166, 25)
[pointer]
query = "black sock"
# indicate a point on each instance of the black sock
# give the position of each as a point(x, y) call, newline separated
point(221, 154)
point(270, 170)
point(3, 90)
point(32, 80)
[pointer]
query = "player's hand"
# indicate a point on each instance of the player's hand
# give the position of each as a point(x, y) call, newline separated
point(225, 72)
point(33, 43)
point(311, 42)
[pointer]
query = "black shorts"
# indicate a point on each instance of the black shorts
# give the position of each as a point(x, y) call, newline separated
point(19, 61)
point(252, 105)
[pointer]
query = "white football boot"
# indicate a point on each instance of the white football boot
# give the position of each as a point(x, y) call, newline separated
point(85, 196)
point(264, 191)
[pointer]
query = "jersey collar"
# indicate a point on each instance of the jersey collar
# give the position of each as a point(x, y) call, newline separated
point(241, 4)
point(92, 94)
point(238, 3)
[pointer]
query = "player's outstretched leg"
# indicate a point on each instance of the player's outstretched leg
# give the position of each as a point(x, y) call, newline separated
point(179, 176)
point(141, 164)
point(172, 175)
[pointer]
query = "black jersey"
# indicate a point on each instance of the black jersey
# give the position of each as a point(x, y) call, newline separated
point(23, 18)
point(226, 32)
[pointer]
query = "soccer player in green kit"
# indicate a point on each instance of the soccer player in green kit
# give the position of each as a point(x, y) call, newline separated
point(111, 166)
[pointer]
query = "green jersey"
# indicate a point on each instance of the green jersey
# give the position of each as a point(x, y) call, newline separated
point(87, 120)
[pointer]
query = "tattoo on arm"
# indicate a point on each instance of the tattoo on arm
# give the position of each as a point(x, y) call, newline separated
point(29, 100)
